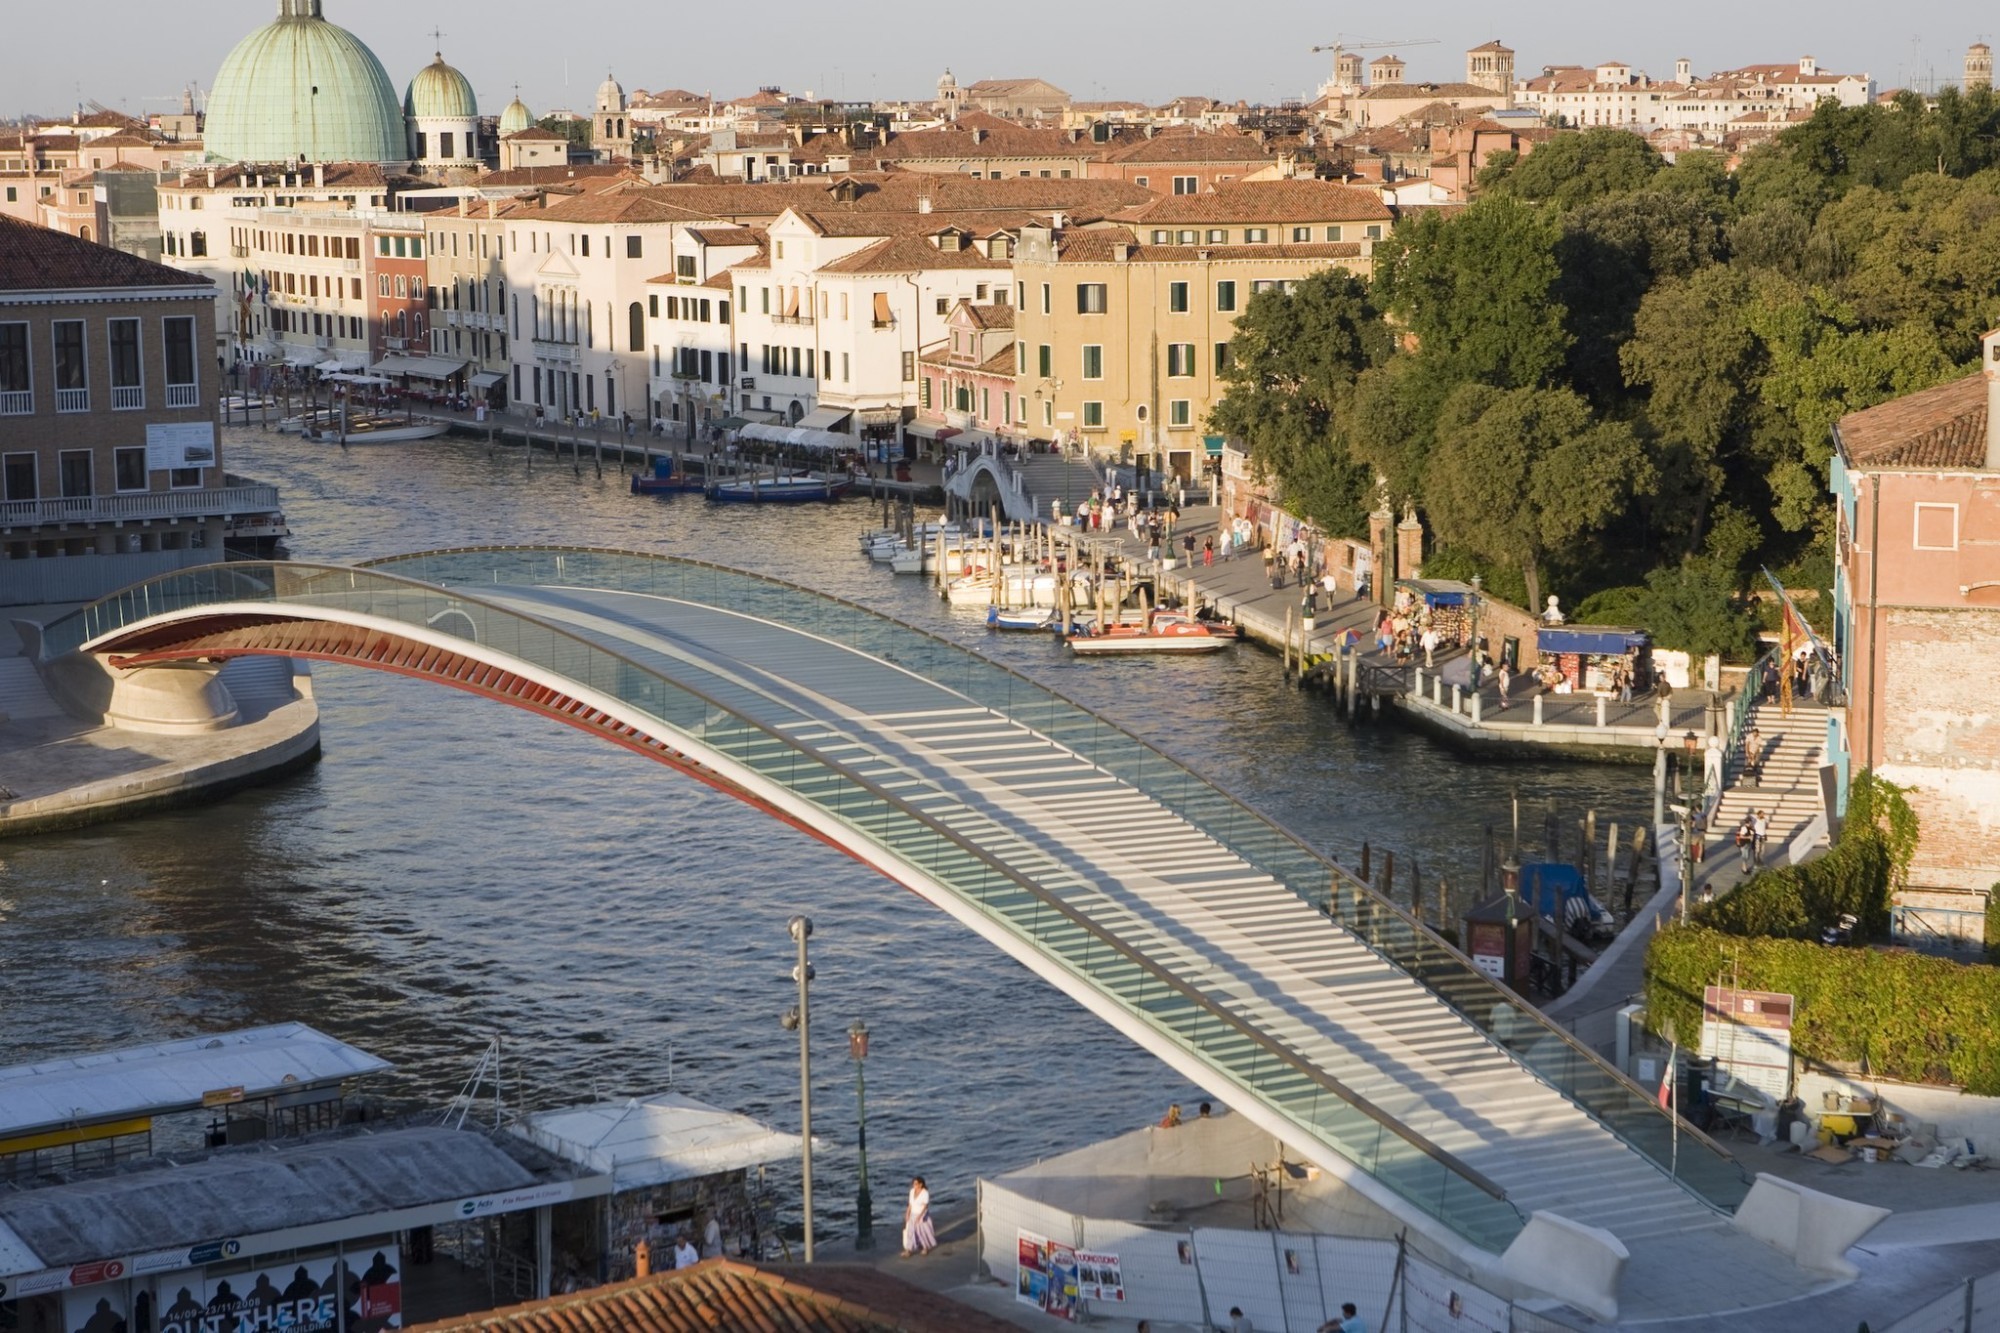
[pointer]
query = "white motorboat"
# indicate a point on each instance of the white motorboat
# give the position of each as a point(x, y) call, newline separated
point(385, 429)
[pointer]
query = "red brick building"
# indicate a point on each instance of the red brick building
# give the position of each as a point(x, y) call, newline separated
point(1917, 613)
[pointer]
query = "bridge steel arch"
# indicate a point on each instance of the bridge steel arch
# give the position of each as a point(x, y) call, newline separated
point(421, 616)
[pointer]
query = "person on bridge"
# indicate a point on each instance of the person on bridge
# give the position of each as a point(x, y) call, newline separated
point(1172, 1118)
point(919, 1236)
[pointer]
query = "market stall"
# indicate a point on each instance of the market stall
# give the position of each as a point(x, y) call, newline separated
point(1587, 657)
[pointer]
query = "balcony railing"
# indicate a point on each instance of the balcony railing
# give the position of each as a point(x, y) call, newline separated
point(183, 395)
point(72, 400)
point(791, 319)
point(551, 350)
point(223, 501)
point(125, 397)
point(889, 323)
point(17, 403)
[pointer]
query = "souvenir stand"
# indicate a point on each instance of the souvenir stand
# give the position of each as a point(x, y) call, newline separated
point(1447, 602)
point(1587, 656)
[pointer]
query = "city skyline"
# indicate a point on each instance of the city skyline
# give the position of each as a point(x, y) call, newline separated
point(834, 57)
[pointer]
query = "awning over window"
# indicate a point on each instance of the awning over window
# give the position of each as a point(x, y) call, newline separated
point(394, 365)
point(824, 418)
point(1214, 445)
point(435, 367)
point(1591, 640)
point(883, 315)
point(486, 379)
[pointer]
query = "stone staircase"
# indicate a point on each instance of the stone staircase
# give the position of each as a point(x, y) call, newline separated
point(1787, 789)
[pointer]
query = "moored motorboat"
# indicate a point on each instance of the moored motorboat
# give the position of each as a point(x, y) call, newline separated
point(796, 489)
point(369, 428)
point(1030, 618)
point(1159, 632)
point(664, 479)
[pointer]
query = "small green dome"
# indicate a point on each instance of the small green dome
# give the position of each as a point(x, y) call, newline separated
point(441, 92)
point(303, 88)
point(515, 118)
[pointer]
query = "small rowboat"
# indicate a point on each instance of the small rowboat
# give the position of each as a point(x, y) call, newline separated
point(781, 490)
point(663, 480)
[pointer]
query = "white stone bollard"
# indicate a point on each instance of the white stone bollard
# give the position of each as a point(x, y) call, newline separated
point(1455, 700)
point(1538, 710)
point(1477, 710)
point(1602, 709)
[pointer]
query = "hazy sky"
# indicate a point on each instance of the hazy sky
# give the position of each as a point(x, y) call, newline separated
point(137, 54)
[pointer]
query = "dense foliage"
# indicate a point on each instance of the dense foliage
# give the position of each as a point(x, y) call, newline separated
point(1614, 373)
point(1907, 1016)
point(1904, 1015)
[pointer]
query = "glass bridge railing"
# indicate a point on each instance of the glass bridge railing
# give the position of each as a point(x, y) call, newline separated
point(1428, 1179)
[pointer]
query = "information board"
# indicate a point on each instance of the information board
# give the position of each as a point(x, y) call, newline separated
point(1749, 1034)
point(179, 444)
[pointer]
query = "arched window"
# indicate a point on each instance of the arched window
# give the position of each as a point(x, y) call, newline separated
point(635, 319)
point(402, 324)
point(83, 233)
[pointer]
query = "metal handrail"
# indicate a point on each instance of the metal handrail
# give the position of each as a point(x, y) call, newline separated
point(1472, 976)
point(1209, 1006)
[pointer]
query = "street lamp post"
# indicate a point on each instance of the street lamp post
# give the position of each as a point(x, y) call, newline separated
point(800, 1017)
point(1478, 660)
point(864, 1203)
point(1660, 774)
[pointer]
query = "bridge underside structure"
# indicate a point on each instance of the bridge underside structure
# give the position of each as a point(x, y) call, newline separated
point(1251, 965)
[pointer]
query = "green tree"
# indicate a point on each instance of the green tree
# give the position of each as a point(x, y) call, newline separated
point(1696, 356)
point(1292, 363)
point(572, 128)
point(1613, 251)
point(1569, 169)
point(1524, 474)
point(1477, 292)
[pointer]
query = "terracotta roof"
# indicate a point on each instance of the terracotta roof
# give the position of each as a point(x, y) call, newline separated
point(909, 254)
point(1493, 45)
point(992, 316)
point(627, 206)
point(33, 258)
point(1268, 202)
point(1384, 91)
point(1944, 427)
point(722, 1296)
point(562, 174)
point(725, 235)
point(1096, 247)
point(534, 132)
point(1195, 147)
point(130, 139)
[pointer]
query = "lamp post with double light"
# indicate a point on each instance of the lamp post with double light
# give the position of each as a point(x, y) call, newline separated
point(799, 1018)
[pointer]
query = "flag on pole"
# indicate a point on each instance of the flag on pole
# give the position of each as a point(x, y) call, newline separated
point(1667, 1080)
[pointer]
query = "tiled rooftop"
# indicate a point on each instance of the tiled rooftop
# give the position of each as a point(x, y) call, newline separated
point(34, 258)
point(722, 1296)
point(1944, 427)
point(1269, 201)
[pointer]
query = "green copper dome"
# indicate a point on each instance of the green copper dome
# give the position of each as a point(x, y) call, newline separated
point(515, 118)
point(303, 88)
point(441, 92)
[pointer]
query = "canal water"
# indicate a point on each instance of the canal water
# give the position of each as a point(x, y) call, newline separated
point(455, 870)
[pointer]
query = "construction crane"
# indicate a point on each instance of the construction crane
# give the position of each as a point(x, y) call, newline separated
point(1340, 49)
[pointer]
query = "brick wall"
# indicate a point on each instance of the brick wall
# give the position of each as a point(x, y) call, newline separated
point(1940, 697)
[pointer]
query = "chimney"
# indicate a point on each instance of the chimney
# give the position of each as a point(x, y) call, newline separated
point(1989, 345)
point(924, 203)
point(319, 175)
point(1120, 252)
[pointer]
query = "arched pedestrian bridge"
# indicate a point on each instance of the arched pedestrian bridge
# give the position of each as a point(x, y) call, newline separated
point(1250, 964)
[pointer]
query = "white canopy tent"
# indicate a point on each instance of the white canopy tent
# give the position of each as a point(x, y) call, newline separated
point(662, 1138)
point(798, 437)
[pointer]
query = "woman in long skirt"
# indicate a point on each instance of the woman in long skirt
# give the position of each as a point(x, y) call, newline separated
point(919, 1236)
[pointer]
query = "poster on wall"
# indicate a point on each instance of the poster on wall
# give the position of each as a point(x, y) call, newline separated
point(304, 1295)
point(1046, 1275)
point(1098, 1277)
point(99, 1309)
point(179, 444)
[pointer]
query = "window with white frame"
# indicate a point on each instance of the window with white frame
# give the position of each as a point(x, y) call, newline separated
point(1180, 414)
point(1180, 360)
point(1090, 299)
point(1177, 298)
point(1093, 361)
point(1187, 185)
point(1934, 527)
point(1093, 416)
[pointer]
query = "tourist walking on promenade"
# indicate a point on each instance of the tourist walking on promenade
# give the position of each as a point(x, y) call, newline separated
point(919, 1236)
point(1506, 678)
point(1430, 643)
point(1208, 552)
point(1746, 838)
point(1761, 826)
